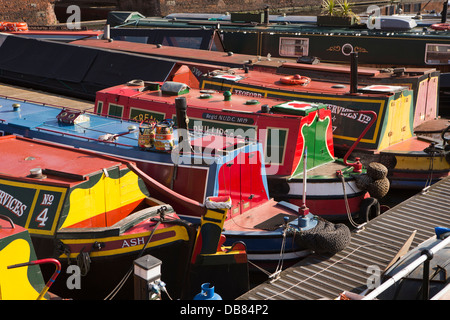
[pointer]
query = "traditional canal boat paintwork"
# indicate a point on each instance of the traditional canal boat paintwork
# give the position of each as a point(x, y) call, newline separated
point(424, 82)
point(388, 102)
point(300, 124)
point(209, 111)
point(227, 172)
point(85, 203)
point(246, 184)
point(16, 247)
point(193, 181)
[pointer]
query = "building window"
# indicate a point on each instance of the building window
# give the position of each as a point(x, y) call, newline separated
point(417, 7)
point(437, 53)
point(293, 47)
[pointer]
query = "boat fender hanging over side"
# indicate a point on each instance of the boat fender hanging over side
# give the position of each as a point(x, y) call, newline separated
point(296, 79)
point(368, 209)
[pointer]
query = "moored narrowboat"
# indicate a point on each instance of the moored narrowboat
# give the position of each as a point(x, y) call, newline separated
point(408, 43)
point(277, 124)
point(217, 166)
point(89, 211)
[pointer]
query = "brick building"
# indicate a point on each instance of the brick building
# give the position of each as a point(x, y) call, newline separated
point(42, 12)
point(33, 12)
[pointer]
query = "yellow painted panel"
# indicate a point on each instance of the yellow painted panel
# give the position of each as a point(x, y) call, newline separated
point(398, 127)
point(88, 203)
point(421, 163)
point(14, 283)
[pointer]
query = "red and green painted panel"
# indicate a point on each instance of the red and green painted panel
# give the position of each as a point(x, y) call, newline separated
point(315, 133)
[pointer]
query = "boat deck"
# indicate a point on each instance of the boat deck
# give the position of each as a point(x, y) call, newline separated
point(319, 277)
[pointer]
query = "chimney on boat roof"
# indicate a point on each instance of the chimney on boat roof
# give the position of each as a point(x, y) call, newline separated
point(36, 173)
point(353, 72)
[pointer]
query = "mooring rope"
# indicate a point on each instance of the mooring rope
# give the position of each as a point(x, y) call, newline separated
point(347, 207)
point(430, 171)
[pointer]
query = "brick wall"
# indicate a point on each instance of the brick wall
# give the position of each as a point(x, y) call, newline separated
point(165, 7)
point(33, 12)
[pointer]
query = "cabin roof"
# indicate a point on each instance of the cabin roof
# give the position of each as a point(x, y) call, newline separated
point(273, 81)
point(60, 165)
point(205, 99)
point(182, 54)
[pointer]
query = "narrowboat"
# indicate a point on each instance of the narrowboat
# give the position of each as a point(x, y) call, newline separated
point(409, 44)
point(417, 162)
point(76, 71)
point(413, 161)
point(277, 124)
point(182, 170)
point(425, 83)
point(90, 211)
point(21, 277)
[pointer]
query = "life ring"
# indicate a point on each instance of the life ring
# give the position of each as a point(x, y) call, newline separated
point(13, 26)
point(296, 79)
point(368, 209)
point(441, 26)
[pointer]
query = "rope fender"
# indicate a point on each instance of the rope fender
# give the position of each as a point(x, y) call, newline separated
point(375, 181)
point(211, 204)
point(325, 237)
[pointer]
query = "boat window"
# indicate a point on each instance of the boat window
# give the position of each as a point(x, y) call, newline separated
point(293, 47)
point(138, 39)
point(437, 53)
point(275, 146)
point(99, 107)
point(115, 110)
point(183, 42)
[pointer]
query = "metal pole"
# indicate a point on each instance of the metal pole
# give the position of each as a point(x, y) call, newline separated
point(407, 270)
point(426, 275)
point(444, 12)
point(353, 72)
point(304, 176)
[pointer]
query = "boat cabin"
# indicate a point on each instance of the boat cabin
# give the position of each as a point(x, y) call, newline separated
point(283, 135)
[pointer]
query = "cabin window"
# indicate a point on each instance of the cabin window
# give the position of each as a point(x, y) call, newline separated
point(99, 107)
point(183, 42)
point(437, 53)
point(115, 110)
point(275, 145)
point(293, 47)
point(138, 39)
